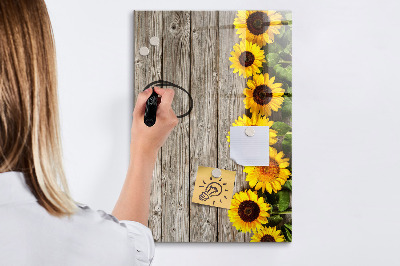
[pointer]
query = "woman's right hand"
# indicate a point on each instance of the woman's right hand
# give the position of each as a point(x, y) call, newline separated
point(134, 200)
point(146, 141)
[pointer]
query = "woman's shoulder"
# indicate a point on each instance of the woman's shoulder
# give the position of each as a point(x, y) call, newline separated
point(89, 214)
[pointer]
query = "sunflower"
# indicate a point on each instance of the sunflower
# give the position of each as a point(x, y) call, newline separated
point(248, 211)
point(272, 177)
point(256, 120)
point(247, 58)
point(258, 26)
point(263, 95)
point(268, 234)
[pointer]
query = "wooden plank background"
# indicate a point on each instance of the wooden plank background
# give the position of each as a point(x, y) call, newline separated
point(194, 52)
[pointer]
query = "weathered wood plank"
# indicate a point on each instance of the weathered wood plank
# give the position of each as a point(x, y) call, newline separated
point(148, 69)
point(230, 106)
point(175, 153)
point(204, 117)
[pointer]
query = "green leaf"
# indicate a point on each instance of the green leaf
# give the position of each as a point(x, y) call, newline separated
point(287, 107)
point(287, 185)
point(284, 73)
point(287, 40)
point(284, 200)
point(271, 198)
point(284, 38)
point(286, 59)
point(274, 48)
point(289, 226)
point(281, 32)
point(288, 16)
point(259, 193)
point(287, 143)
point(287, 232)
point(287, 86)
point(288, 236)
point(274, 220)
point(281, 127)
point(272, 59)
point(288, 52)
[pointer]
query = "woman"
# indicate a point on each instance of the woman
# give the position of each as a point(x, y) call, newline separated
point(40, 224)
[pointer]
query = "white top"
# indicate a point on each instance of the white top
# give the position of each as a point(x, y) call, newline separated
point(31, 236)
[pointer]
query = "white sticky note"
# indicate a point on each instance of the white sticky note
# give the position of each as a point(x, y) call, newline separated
point(250, 149)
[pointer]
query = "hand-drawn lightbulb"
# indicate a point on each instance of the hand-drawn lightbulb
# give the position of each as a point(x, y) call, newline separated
point(213, 189)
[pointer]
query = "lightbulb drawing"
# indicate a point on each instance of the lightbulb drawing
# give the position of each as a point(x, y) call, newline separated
point(213, 189)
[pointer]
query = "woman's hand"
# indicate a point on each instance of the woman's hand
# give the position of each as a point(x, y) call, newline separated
point(134, 200)
point(146, 141)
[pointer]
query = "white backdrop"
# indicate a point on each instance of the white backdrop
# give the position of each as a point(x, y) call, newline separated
point(346, 146)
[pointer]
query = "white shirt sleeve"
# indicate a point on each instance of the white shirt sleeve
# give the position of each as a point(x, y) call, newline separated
point(140, 236)
point(142, 239)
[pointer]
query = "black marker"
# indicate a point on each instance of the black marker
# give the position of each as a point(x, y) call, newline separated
point(151, 109)
point(154, 100)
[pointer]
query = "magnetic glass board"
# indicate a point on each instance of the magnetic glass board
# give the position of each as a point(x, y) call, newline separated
point(237, 67)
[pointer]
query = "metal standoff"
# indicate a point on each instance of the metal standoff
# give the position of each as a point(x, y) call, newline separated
point(144, 50)
point(154, 41)
point(250, 131)
point(216, 173)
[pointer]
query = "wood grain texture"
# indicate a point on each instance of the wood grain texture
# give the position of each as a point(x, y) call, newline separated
point(230, 107)
point(204, 117)
point(148, 69)
point(175, 152)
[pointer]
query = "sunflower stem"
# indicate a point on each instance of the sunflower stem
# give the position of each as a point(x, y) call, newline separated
point(285, 212)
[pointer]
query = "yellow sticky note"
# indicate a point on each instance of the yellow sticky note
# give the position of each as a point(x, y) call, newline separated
point(214, 191)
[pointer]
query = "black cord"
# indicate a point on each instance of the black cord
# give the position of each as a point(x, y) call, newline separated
point(162, 83)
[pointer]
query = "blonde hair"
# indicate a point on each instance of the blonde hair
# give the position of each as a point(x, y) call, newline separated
point(29, 122)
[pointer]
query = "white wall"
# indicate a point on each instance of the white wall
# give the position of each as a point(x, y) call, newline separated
point(346, 146)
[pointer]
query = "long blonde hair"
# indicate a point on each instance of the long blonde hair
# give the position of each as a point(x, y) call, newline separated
point(29, 122)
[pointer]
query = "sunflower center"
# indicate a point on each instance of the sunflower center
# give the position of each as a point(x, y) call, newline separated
point(262, 95)
point(268, 173)
point(246, 59)
point(248, 210)
point(268, 238)
point(258, 23)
